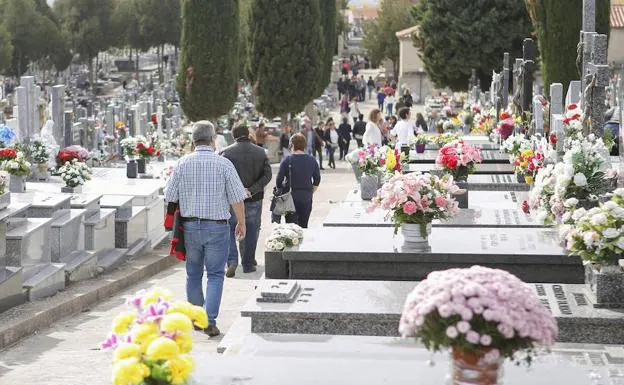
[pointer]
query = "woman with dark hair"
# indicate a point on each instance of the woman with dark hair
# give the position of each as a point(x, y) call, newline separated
point(299, 173)
point(421, 123)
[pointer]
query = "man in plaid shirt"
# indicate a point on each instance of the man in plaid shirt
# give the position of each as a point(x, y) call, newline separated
point(206, 186)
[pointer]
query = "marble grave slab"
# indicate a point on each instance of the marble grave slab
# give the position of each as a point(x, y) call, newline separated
point(429, 156)
point(480, 169)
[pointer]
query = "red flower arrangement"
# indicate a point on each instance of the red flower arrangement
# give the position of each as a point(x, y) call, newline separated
point(70, 153)
point(146, 152)
point(459, 159)
point(553, 139)
point(505, 127)
point(504, 115)
point(525, 207)
point(7, 154)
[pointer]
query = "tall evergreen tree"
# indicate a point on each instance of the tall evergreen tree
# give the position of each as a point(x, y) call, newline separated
point(456, 36)
point(557, 25)
point(209, 57)
point(286, 54)
point(6, 49)
point(329, 14)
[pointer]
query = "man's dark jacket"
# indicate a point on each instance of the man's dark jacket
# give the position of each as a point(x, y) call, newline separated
point(252, 166)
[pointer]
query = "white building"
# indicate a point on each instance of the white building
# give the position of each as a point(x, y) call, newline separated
point(412, 74)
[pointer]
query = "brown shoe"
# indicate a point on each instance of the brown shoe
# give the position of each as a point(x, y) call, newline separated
point(212, 331)
point(231, 271)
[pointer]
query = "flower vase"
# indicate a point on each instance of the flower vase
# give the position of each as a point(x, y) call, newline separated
point(40, 172)
point(71, 190)
point(420, 148)
point(357, 171)
point(17, 184)
point(604, 285)
point(413, 236)
point(369, 184)
point(141, 165)
point(462, 196)
point(5, 200)
point(132, 169)
point(470, 369)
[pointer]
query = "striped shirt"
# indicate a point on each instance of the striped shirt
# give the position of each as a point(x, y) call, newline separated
point(205, 185)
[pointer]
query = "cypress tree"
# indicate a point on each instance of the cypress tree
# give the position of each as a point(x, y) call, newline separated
point(286, 54)
point(208, 57)
point(557, 25)
point(329, 13)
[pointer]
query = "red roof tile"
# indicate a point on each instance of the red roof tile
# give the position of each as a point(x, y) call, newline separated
point(617, 16)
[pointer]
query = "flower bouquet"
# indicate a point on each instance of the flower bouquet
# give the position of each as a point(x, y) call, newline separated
point(151, 343)
point(443, 139)
point(146, 152)
point(70, 153)
point(420, 142)
point(458, 159)
point(483, 315)
point(41, 156)
point(528, 163)
point(15, 163)
point(283, 236)
point(391, 160)
point(597, 236)
point(369, 164)
point(7, 136)
point(414, 200)
point(5, 196)
point(74, 174)
point(505, 128)
point(514, 145)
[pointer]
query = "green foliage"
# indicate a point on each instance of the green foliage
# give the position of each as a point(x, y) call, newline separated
point(243, 43)
point(209, 57)
point(476, 34)
point(6, 49)
point(126, 26)
point(329, 13)
point(380, 34)
point(558, 35)
point(286, 54)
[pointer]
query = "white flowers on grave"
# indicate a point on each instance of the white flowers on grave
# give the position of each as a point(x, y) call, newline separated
point(582, 175)
point(4, 181)
point(283, 236)
point(75, 173)
point(129, 144)
point(514, 145)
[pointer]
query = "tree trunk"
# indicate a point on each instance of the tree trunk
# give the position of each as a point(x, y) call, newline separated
point(137, 66)
point(91, 73)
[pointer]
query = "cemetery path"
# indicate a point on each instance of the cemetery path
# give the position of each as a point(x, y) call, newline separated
point(66, 352)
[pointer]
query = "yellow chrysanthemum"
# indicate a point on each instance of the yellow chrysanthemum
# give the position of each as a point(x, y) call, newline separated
point(129, 372)
point(180, 369)
point(185, 342)
point(144, 334)
point(157, 292)
point(176, 322)
point(127, 350)
point(122, 322)
point(181, 307)
point(162, 348)
point(199, 317)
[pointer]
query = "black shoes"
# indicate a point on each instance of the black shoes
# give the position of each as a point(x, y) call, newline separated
point(231, 271)
point(251, 270)
point(212, 331)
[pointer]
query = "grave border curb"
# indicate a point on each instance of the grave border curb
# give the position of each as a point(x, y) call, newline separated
point(99, 289)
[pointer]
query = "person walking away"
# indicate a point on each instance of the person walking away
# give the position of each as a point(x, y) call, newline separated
point(344, 105)
point(389, 104)
point(299, 173)
point(345, 67)
point(309, 133)
point(332, 139)
point(402, 131)
point(381, 97)
point(373, 134)
point(344, 132)
point(359, 129)
point(253, 168)
point(206, 187)
point(362, 86)
point(285, 141)
point(408, 99)
point(340, 85)
point(261, 135)
point(421, 123)
point(319, 143)
point(371, 87)
point(354, 110)
point(220, 142)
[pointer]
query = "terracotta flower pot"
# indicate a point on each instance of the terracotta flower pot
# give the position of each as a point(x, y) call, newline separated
point(470, 369)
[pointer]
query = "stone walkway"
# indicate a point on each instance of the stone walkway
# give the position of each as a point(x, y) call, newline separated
point(67, 352)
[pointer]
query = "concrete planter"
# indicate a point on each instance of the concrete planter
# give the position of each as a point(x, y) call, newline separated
point(369, 184)
point(462, 199)
point(5, 200)
point(132, 169)
point(605, 285)
point(17, 184)
point(71, 190)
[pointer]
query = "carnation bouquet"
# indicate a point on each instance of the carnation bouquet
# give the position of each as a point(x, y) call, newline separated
point(369, 159)
point(514, 145)
point(70, 153)
point(458, 159)
point(129, 146)
point(417, 198)
point(14, 162)
point(151, 342)
point(283, 236)
point(597, 235)
point(75, 173)
point(528, 163)
point(482, 312)
point(146, 152)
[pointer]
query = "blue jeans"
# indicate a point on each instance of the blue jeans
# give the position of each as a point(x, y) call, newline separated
point(389, 109)
point(253, 220)
point(207, 246)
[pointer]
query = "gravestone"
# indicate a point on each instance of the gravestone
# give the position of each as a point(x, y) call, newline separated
point(68, 129)
point(558, 128)
point(556, 99)
point(528, 58)
point(589, 15)
point(574, 93)
point(538, 115)
point(505, 100)
point(517, 85)
point(28, 82)
point(77, 134)
point(620, 97)
point(23, 117)
point(58, 111)
point(597, 79)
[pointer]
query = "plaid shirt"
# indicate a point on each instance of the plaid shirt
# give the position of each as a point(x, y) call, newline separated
point(205, 185)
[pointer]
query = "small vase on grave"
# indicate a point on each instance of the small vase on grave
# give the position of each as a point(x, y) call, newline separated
point(369, 184)
point(416, 235)
point(71, 190)
point(132, 169)
point(420, 148)
point(17, 184)
point(141, 165)
point(470, 368)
